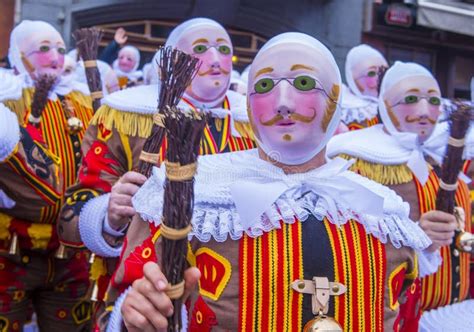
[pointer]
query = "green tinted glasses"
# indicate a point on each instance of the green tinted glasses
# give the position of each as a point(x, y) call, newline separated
point(201, 48)
point(413, 99)
point(302, 83)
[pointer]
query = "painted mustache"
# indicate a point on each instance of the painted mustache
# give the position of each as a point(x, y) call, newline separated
point(418, 119)
point(212, 70)
point(291, 116)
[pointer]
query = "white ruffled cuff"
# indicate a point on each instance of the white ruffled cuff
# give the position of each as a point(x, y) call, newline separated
point(454, 317)
point(91, 221)
point(116, 320)
point(9, 132)
point(428, 262)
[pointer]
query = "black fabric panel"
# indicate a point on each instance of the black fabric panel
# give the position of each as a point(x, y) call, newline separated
point(318, 260)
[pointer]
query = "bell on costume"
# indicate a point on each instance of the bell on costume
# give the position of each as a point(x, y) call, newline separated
point(95, 292)
point(14, 245)
point(322, 323)
point(61, 252)
point(464, 241)
point(320, 290)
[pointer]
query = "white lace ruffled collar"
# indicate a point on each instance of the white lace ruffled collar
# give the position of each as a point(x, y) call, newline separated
point(355, 108)
point(216, 214)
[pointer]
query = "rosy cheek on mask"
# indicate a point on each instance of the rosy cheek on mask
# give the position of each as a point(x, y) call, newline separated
point(47, 62)
point(126, 65)
point(44, 59)
point(409, 118)
point(368, 83)
point(302, 113)
point(211, 57)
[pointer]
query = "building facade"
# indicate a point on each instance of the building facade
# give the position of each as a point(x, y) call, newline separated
point(251, 22)
point(436, 33)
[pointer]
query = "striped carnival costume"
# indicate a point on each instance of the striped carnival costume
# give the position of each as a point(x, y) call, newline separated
point(112, 147)
point(38, 273)
point(383, 153)
point(265, 231)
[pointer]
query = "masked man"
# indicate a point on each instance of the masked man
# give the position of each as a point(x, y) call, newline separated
point(359, 102)
point(36, 273)
point(401, 153)
point(126, 66)
point(98, 208)
point(268, 220)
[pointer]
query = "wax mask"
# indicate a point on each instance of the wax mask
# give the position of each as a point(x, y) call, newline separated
point(212, 46)
point(365, 74)
point(127, 60)
point(43, 52)
point(69, 66)
point(292, 94)
point(413, 105)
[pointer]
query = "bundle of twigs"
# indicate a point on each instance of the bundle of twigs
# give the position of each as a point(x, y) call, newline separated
point(87, 43)
point(43, 85)
point(184, 132)
point(380, 74)
point(459, 121)
point(176, 71)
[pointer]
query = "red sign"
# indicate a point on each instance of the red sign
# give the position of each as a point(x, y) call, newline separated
point(399, 15)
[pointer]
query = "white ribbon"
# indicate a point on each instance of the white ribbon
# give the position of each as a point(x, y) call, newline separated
point(253, 198)
point(416, 162)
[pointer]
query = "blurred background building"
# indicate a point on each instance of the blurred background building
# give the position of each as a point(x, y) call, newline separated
point(436, 33)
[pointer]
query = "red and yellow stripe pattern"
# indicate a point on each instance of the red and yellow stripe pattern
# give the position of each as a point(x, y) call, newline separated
point(436, 288)
point(53, 125)
point(361, 125)
point(360, 264)
point(269, 263)
point(42, 187)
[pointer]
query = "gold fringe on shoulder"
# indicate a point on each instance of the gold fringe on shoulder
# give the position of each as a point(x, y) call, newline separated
point(21, 106)
point(127, 123)
point(79, 97)
point(244, 129)
point(384, 174)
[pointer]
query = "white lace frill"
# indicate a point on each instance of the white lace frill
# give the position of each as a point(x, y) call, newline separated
point(216, 215)
point(9, 132)
point(356, 109)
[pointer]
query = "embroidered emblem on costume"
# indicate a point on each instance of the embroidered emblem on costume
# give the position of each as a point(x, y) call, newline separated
point(215, 272)
point(81, 312)
point(4, 322)
point(395, 284)
point(203, 318)
point(61, 314)
point(138, 257)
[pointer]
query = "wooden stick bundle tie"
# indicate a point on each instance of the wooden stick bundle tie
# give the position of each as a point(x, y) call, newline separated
point(176, 172)
point(158, 120)
point(173, 233)
point(97, 95)
point(447, 186)
point(458, 143)
point(33, 119)
point(175, 291)
point(90, 63)
point(151, 158)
